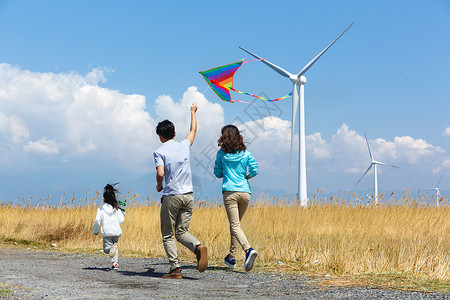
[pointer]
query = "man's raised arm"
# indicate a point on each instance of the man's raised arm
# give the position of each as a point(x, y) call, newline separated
point(193, 129)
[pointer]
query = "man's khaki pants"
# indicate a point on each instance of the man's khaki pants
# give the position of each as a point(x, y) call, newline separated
point(176, 213)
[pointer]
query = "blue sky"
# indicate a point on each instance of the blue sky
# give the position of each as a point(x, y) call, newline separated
point(83, 84)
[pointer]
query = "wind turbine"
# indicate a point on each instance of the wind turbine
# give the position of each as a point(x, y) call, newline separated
point(373, 163)
point(438, 194)
point(298, 81)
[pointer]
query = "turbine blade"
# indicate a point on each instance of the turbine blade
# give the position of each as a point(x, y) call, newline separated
point(364, 174)
point(439, 181)
point(383, 164)
point(309, 65)
point(367, 142)
point(276, 68)
point(295, 99)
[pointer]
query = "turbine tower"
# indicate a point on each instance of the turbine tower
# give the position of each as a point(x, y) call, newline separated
point(373, 163)
point(438, 194)
point(298, 81)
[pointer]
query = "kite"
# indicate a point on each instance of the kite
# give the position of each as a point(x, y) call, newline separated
point(220, 79)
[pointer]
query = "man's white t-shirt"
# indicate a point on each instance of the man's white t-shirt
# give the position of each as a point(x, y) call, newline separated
point(175, 157)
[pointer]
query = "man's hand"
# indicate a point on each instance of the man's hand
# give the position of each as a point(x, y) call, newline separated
point(159, 187)
point(194, 107)
point(193, 128)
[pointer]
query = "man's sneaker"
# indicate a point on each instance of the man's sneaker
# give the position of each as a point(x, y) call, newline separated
point(202, 258)
point(113, 250)
point(173, 274)
point(115, 266)
point(231, 263)
point(250, 257)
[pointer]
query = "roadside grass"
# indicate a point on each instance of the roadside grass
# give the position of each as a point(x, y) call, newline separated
point(4, 291)
point(396, 281)
point(401, 244)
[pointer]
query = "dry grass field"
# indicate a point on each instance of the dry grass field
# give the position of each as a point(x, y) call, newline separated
point(402, 243)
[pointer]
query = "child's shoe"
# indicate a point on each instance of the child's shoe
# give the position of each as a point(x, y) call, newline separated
point(250, 257)
point(231, 263)
point(173, 274)
point(115, 266)
point(113, 250)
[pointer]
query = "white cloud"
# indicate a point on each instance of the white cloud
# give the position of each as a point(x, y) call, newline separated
point(260, 134)
point(447, 132)
point(349, 153)
point(95, 76)
point(70, 117)
point(346, 152)
point(42, 146)
point(411, 150)
point(443, 168)
point(87, 121)
point(13, 128)
point(317, 146)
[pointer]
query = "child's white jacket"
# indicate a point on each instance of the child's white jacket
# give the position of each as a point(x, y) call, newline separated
point(109, 219)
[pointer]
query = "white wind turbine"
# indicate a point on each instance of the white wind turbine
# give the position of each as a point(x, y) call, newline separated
point(373, 163)
point(438, 194)
point(298, 81)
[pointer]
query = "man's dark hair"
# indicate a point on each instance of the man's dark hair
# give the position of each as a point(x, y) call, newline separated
point(165, 129)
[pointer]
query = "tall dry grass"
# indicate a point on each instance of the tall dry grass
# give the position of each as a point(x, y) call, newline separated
point(403, 235)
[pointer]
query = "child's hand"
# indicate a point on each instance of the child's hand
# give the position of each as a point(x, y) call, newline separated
point(194, 107)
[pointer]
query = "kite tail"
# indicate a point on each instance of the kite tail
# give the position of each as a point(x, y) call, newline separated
point(253, 60)
point(262, 98)
point(240, 101)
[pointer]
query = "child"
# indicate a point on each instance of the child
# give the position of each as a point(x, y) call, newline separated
point(172, 161)
point(232, 162)
point(109, 218)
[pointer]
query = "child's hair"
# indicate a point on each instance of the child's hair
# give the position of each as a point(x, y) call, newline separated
point(231, 140)
point(166, 129)
point(109, 194)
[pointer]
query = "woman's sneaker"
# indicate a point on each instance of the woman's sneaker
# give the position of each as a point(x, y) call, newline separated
point(113, 250)
point(115, 266)
point(250, 257)
point(231, 263)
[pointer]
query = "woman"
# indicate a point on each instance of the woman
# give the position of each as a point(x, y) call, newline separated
point(235, 165)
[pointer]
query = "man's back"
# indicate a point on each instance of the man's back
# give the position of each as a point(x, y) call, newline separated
point(175, 157)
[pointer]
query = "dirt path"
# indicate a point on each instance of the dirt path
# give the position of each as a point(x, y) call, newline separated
point(34, 274)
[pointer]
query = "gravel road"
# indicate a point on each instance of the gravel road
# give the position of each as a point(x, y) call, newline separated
point(35, 274)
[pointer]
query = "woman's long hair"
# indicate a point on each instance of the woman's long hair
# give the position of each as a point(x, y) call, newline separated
point(231, 140)
point(109, 194)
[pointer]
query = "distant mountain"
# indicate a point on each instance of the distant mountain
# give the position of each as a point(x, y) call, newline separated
point(58, 186)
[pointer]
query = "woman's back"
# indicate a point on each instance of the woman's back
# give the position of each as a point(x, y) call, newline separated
point(234, 168)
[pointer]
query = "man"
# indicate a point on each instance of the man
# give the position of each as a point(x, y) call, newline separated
point(172, 162)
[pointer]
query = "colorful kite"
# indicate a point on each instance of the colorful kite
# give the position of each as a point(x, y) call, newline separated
point(220, 79)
